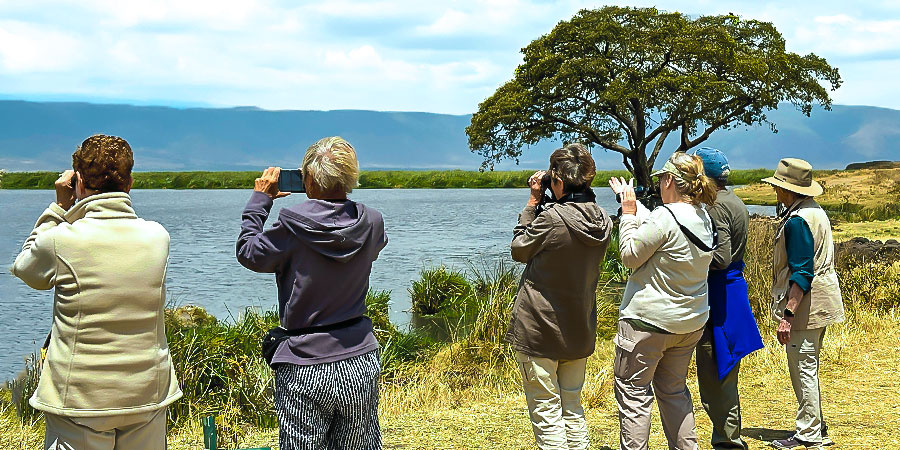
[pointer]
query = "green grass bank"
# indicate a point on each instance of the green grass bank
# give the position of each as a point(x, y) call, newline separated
point(368, 179)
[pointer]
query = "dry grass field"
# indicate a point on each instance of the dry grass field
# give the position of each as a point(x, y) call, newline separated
point(851, 196)
point(860, 386)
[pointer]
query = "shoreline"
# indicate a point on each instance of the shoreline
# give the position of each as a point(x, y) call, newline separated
point(368, 179)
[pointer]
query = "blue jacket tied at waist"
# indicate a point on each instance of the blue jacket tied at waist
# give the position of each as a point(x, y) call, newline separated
point(734, 330)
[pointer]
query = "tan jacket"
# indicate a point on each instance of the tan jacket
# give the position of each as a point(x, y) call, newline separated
point(108, 353)
point(822, 305)
point(555, 311)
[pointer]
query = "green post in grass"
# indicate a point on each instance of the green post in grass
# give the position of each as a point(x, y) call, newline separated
point(209, 435)
point(209, 432)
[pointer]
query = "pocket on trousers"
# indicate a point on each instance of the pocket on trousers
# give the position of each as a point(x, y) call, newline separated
point(526, 366)
point(624, 343)
point(624, 350)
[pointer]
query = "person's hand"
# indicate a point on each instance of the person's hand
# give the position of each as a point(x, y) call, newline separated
point(625, 191)
point(618, 185)
point(267, 183)
point(784, 330)
point(534, 183)
point(65, 189)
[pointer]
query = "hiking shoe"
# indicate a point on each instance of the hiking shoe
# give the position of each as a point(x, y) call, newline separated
point(793, 442)
point(826, 441)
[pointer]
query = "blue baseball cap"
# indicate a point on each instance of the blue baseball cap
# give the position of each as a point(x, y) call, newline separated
point(715, 164)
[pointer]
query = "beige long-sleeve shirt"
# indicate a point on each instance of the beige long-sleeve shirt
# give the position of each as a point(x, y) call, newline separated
point(668, 287)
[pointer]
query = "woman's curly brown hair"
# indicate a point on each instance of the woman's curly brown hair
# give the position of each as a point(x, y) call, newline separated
point(104, 162)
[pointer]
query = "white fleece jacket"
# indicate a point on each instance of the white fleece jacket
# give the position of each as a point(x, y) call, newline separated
point(108, 353)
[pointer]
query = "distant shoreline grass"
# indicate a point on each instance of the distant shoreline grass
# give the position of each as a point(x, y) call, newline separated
point(368, 179)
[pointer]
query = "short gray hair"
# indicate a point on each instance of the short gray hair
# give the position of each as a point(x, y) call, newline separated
point(331, 164)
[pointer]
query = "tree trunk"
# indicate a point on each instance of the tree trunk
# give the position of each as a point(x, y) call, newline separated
point(641, 168)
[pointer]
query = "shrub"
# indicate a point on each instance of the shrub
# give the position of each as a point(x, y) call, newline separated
point(758, 269)
point(442, 291)
point(221, 370)
point(401, 350)
point(613, 269)
point(495, 290)
point(870, 286)
point(378, 309)
point(23, 387)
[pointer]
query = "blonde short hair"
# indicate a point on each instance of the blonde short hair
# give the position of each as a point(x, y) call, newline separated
point(332, 165)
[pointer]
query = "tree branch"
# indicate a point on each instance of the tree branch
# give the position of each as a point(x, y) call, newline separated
point(627, 164)
point(637, 111)
point(687, 143)
point(591, 134)
point(626, 124)
point(658, 147)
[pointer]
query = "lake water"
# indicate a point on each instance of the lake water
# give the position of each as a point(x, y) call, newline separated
point(454, 227)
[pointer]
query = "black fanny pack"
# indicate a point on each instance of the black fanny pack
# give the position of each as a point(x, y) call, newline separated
point(277, 335)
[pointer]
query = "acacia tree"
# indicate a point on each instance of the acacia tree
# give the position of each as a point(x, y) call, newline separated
point(625, 79)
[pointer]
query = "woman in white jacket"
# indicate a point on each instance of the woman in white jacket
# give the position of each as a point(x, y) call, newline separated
point(664, 308)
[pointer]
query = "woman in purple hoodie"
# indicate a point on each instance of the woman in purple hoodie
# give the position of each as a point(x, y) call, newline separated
point(321, 252)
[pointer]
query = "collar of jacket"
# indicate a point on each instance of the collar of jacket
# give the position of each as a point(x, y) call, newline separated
point(109, 205)
point(804, 202)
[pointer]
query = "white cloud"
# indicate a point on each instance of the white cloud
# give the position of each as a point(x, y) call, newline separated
point(449, 23)
point(371, 10)
point(844, 35)
point(212, 14)
point(28, 48)
point(389, 55)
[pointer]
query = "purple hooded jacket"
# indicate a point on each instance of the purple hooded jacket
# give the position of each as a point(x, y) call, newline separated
point(321, 253)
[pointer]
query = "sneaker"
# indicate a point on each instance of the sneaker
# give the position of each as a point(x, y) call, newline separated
point(793, 442)
point(826, 441)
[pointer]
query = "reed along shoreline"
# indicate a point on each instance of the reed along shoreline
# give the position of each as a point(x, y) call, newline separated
point(368, 179)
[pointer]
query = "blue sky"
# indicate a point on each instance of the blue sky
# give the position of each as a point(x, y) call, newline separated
point(404, 55)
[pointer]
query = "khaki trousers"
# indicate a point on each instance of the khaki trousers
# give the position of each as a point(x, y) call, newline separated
point(142, 431)
point(719, 397)
point(649, 363)
point(553, 394)
point(803, 352)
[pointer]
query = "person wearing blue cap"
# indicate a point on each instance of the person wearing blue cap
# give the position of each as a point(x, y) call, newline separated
point(731, 332)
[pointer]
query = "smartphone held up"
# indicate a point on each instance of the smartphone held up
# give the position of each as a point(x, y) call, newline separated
point(291, 180)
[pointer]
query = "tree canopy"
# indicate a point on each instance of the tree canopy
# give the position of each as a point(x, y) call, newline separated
point(625, 79)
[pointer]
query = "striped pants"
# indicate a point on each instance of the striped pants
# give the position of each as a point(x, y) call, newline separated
point(330, 405)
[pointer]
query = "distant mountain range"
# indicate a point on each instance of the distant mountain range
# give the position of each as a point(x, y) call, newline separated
point(42, 136)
